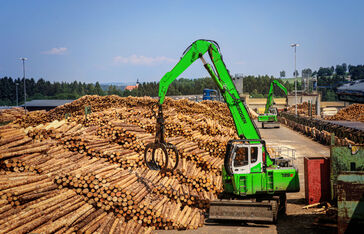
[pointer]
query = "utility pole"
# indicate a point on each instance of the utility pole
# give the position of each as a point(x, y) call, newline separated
point(242, 86)
point(295, 74)
point(25, 92)
point(17, 85)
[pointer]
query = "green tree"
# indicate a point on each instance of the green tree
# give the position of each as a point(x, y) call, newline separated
point(356, 72)
point(306, 72)
point(339, 70)
point(98, 89)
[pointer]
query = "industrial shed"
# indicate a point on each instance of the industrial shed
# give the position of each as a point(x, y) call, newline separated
point(44, 104)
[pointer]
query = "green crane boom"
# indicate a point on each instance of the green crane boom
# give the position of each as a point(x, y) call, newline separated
point(248, 169)
point(270, 102)
point(269, 118)
point(245, 127)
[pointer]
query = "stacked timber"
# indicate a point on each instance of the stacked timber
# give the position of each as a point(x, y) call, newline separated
point(101, 103)
point(32, 118)
point(322, 130)
point(8, 115)
point(122, 136)
point(89, 174)
point(114, 195)
point(37, 205)
point(40, 134)
point(18, 166)
point(302, 109)
point(25, 187)
point(354, 112)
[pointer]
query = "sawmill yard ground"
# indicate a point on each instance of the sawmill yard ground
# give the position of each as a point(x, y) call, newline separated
point(89, 176)
point(297, 219)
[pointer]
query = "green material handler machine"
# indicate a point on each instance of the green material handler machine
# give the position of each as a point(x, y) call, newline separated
point(255, 185)
point(269, 118)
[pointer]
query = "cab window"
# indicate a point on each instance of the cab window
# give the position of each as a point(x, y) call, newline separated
point(241, 157)
point(253, 154)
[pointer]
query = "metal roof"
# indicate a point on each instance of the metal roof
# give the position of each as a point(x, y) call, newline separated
point(357, 86)
point(44, 103)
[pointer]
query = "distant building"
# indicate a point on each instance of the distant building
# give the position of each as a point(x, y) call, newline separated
point(352, 92)
point(238, 80)
point(45, 104)
point(131, 87)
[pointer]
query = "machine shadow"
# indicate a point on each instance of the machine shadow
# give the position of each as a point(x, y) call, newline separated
point(235, 223)
point(303, 224)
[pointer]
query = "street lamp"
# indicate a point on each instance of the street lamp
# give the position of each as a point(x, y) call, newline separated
point(295, 74)
point(25, 93)
point(17, 85)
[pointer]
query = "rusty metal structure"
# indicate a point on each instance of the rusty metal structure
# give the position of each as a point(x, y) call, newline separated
point(317, 179)
point(347, 186)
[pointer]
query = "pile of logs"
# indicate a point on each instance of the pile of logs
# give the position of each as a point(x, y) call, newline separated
point(8, 115)
point(321, 130)
point(88, 174)
point(32, 118)
point(214, 110)
point(354, 112)
point(41, 207)
point(101, 148)
point(121, 135)
point(302, 109)
point(123, 203)
point(18, 166)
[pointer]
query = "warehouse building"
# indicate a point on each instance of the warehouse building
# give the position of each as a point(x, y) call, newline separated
point(44, 104)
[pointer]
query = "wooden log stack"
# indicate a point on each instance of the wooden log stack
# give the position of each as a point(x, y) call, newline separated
point(38, 206)
point(18, 166)
point(8, 115)
point(114, 198)
point(354, 112)
point(89, 175)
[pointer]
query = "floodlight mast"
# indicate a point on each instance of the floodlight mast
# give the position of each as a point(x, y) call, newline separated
point(25, 92)
point(295, 74)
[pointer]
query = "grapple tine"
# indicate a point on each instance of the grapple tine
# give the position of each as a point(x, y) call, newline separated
point(159, 143)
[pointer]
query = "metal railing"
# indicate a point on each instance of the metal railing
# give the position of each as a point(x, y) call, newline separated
point(282, 151)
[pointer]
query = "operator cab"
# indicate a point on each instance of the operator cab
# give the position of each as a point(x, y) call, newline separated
point(247, 156)
point(273, 111)
point(244, 156)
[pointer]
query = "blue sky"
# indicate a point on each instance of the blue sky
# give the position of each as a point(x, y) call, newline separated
point(120, 41)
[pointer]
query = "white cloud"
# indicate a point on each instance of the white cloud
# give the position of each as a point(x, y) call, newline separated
point(56, 51)
point(142, 60)
point(240, 63)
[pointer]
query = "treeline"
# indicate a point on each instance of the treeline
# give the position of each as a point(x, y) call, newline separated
point(41, 89)
point(328, 78)
point(340, 71)
point(255, 86)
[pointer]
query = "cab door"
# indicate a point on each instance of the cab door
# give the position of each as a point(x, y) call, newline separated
point(247, 158)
